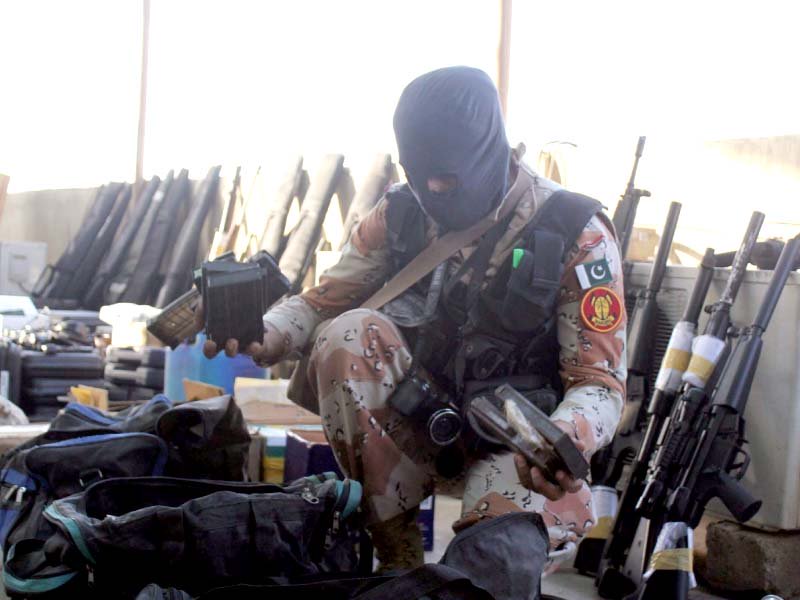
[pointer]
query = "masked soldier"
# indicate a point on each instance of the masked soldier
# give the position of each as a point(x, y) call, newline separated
point(535, 300)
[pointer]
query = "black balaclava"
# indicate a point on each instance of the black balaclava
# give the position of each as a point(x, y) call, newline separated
point(449, 122)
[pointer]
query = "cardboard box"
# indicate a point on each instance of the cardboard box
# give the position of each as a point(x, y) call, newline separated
point(308, 453)
point(264, 402)
point(257, 444)
point(273, 456)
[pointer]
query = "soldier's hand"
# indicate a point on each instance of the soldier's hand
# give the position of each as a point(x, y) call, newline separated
point(267, 353)
point(533, 478)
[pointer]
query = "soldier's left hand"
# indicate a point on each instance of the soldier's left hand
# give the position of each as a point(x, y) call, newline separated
point(533, 478)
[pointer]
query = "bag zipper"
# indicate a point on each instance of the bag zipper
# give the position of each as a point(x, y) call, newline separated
point(309, 496)
point(339, 507)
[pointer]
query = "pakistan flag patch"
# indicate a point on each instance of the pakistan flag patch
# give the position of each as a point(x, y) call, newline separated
point(593, 274)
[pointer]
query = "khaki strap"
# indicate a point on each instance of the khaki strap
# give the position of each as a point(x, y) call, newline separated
point(602, 529)
point(674, 559)
point(443, 248)
point(677, 359)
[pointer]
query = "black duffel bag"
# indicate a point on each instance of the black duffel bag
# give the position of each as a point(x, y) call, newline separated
point(197, 534)
point(57, 470)
point(501, 558)
point(207, 439)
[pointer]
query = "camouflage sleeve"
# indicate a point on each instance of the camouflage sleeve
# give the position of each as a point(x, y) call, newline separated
point(362, 268)
point(591, 334)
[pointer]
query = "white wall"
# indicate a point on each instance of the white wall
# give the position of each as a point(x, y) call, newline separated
point(252, 82)
point(68, 92)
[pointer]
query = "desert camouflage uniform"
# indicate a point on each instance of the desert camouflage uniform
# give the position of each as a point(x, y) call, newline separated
point(359, 357)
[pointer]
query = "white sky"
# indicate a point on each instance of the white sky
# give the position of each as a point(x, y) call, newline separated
point(252, 82)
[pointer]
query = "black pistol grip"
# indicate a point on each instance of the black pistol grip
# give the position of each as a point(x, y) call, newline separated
point(737, 498)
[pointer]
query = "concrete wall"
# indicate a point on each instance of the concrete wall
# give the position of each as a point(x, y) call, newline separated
point(51, 216)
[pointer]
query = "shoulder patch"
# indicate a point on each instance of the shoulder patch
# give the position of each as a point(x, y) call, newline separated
point(601, 309)
point(593, 273)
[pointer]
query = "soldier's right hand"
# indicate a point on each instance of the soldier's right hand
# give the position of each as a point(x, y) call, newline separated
point(264, 354)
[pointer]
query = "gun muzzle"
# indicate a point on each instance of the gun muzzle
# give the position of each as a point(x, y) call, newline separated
point(640, 146)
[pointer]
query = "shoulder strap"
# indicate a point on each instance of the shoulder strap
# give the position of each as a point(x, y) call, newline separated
point(564, 214)
point(443, 248)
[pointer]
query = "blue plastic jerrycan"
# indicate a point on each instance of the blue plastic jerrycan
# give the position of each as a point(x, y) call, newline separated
point(188, 362)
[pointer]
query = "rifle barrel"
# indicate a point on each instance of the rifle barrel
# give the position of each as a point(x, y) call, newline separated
point(785, 265)
point(640, 146)
point(742, 258)
point(700, 289)
point(625, 212)
point(664, 246)
point(720, 316)
point(639, 150)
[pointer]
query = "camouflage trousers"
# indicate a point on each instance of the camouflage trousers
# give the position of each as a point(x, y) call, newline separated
point(356, 363)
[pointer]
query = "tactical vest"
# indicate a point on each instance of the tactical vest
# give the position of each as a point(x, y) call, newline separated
point(503, 332)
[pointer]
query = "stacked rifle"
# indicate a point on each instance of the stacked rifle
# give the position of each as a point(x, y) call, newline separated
point(143, 249)
point(680, 442)
point(691, 440)
point(625, 212)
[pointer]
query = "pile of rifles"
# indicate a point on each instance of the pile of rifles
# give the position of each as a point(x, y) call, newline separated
point(681, 441)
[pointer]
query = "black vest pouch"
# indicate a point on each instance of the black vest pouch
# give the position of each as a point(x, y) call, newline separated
point(534, 283)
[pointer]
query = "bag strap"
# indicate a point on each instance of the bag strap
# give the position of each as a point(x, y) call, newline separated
point(423, 581)
point(444, 247)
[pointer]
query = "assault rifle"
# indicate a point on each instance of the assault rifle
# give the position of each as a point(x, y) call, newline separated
point(616, 560)
point(708, 353)
point(608, 464)
point(625, 212)
point(717, 459)
point(671, 414)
